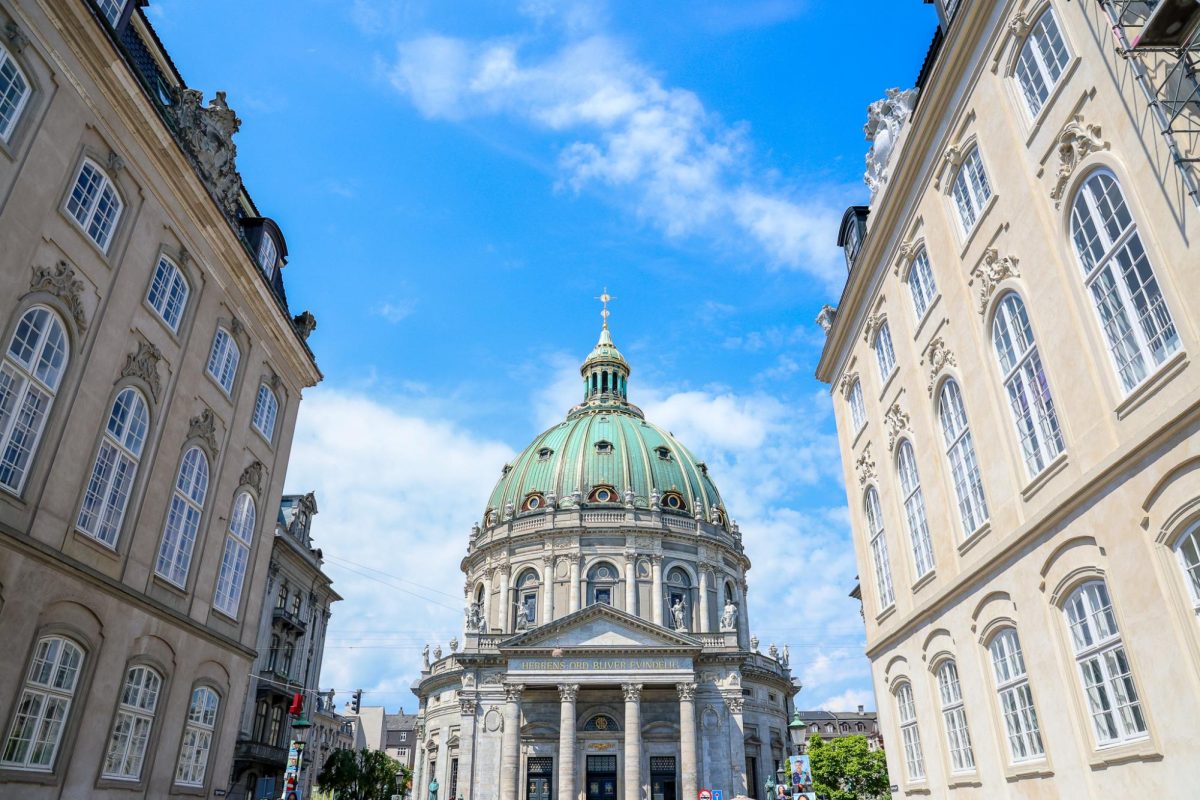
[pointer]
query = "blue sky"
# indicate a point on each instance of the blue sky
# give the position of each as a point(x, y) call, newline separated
point(457, 179)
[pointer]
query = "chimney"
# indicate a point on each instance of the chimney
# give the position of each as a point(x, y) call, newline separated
point(860, 709)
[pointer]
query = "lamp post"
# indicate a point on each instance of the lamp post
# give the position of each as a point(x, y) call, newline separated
point(796, 732)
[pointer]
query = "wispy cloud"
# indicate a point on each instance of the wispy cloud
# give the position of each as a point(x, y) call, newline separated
point(396, 310)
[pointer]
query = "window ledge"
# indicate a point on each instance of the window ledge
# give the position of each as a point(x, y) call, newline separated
point(883, 615)
point(1042, 478)
point(172, 332)
point(1028, 769)
point(928, 315)
point(170, 585)
point(978, 535)
point(96, 545)
point(225, 615)
point(1141, 750)
point(1152, 383)
point(228, 395)
point(887, 383)
point(924, 580)
point(1036, 123)
point(917, 789)
point(969, 236)
point(963, 780)
point(10, 775)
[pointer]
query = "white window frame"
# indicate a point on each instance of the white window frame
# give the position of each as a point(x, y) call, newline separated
point(1105, 673)
point(30, 372)
point(95, 204)
point(879, 549)
point(914, 508)
point(1016, 698)
point(44, 707)
point(112, 10)
point(971, 190)
point(184, 515)
point(133, 724)
point(1187, 549)
point(168, 293)
point(885, 352)
point(12, 77)
point(1024, 379)
point(223, 359)
point(954, 717)
point(1134, 356)
point(964, 462)
point(235, 556)
point(910, 734)
point(268, 255)
point(266, 410)
point(115, 468)
point(858, 410)
point(1041, 62)
point(921, 283)
point(198, 733)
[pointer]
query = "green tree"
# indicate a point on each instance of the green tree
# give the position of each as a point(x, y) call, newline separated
point(847, 769)
point(363, 775)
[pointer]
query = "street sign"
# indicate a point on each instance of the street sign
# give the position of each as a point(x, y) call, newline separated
point(704, 794)
point(716, 794)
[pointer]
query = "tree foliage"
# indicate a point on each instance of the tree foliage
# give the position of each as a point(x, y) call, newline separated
point(847, 769)
point(363, 775)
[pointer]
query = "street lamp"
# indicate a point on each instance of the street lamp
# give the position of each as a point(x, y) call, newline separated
point(796, 732)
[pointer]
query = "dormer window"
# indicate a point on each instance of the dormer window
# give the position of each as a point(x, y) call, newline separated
point(604, 448)
point(663, 453)
point(674, 501)
point(268, 255)
point(533, 502)
point(852, 233)
point(603, 494)
point(544, 454)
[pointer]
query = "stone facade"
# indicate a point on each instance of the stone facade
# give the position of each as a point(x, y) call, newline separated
point(114, 577)
point(1021, 462)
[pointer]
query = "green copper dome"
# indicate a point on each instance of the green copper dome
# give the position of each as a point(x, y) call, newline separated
point(605, 454)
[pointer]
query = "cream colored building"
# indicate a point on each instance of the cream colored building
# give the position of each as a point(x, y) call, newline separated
point(1010, 364)
point(149, 384)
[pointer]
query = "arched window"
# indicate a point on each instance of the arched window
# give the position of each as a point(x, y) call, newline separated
point(1025, 379)
point(183, 517)
point(14, 93)
point(960, 450)
point(268, 255)
point(601, 722)
point(45, 704)
point(679, 596)
point(289, 655)
point(879, 549)
point(1041, 61)
point(95, 204)
point(197, 737)
point(1120, 278)
point(914, 508)
point(885, 354)
point(921, 283)
point(282, 598)
point(265, 409)
point(962, 757)
point(168, 292)
point(1103, 666)
point(261, 712)
point(131, 729)
point(914, 759)
point(275, 734)
point(1188, 549)
point(527, 599)
point(235, 555)
point(858, 412)
point(1016, 699)
point(32, 368)
point(971, 190)
point(602, 579)
point(223, 360)
point(116, 465)
point(273, 652)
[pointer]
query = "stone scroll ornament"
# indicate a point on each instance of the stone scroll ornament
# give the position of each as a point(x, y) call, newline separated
point(897, 423)
point(865, 466)
point(203, 426)
point(886, 119)
point(206, 133)
point(61, 282)
point(143, 364)
point(1075, 142)
point(991, 272)
point(939, 357)
point(253, 476)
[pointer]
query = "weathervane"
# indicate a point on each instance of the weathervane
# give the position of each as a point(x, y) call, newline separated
point(604, 298)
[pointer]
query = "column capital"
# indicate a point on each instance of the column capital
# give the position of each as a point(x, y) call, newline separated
point(687, 691)
point(467, 705)
point(630, 555)
point(655, 558)
point(502, 569)
point(548, 559)
point(567, 692)
point(512, 692)
point(735, 704)
point(633, 692)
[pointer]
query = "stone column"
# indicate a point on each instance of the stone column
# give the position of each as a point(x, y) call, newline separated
point(505, 604)
point(419, 761)
point(573, 588)
point(467, 703)
point(547, 589)
point(630, 584)
point(633, 741)
point(687, 738)
point(743, 616)
point(510, 743)
point(487, 602)
point(656, 600)
point(567, 692)
point(704, 626)
point(737, 746)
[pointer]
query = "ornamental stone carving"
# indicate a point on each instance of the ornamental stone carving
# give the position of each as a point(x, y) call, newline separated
point(567, 692)
point(253, 476)
point(467, 705)
point(687, 691)
point(512, 692)
point(735, 704)
point(17, 39)
point(1020, 24)
point(61, 282)
point(874, 323)
point(939, 357)
point(1075, 142)
point(886, 119)
point(896, 422)
point(203, 426)
point(304, 323)
point(990, 272)
point(206, 133)
point(115, 162)
point(632, 692)
point(865, 466)
point(143, 364)
point(826, 317)
point(847, 383)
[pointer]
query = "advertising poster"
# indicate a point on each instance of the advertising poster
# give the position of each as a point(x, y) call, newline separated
point(802, 782)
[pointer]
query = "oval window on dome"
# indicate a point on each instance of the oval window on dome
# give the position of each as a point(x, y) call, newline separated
point(545, 453)
point(603, 494)
point(663, 453)
point(673, 501)
point(533, 502)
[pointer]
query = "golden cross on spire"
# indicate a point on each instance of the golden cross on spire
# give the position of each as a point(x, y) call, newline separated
point(604, 298)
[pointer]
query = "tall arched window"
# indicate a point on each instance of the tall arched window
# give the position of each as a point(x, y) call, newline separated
point(95, 204)
point(858, 411)
point(41, 713)
point(879, 549)
point(679, 598)
point(266, 407)
point(183, 517)
point(602, 580)
point(32, 368)
point(1188, 549)
point(131, 728)
point(971, 190)
point(223, 360)
point(1041, 61)
point(921, 283)
point(197, 737)
point(1103, 666)
point(1133, 313)
point(954, 715)
point(960, 450)
point(1025, 380)
point(116, 466)
point(527, 599)
point(168, 292)
point(914, 759)
point(885, 354)
point(914, 508)
point(1016, 698)
point(273, 652)
point(14, 93)
point(235, 555)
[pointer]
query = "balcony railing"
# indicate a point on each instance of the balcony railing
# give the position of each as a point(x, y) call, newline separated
point(261, 753)
point(289, 619)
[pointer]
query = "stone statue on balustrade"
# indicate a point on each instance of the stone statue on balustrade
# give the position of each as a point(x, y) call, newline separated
point(475, 617)
point(677, 613)
point(729, 616)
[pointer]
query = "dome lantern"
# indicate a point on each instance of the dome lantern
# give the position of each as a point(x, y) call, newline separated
point(605, 371)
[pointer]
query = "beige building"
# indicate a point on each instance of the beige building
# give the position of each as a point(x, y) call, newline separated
point(149, 384)
point(1018, 414)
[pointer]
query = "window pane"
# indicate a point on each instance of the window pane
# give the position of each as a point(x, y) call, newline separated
point(14, 91)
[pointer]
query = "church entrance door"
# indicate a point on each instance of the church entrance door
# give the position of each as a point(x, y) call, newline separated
point(539, 778)
point(662, 778)
point(601, 778)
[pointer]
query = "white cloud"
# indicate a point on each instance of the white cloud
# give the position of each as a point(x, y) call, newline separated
point(683, 168)
point(849, 700)
point(396, 310)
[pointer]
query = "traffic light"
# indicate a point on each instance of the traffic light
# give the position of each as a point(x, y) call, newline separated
point(297, 707)
point(356, 701)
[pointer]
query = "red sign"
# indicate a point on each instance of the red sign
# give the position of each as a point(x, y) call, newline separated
point(704, 794)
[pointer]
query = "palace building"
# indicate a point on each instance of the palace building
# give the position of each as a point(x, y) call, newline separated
point(606, 652)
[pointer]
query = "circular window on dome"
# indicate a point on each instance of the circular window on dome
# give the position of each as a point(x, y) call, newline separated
point(533, 502)
point(673, 501)
point(603, 494)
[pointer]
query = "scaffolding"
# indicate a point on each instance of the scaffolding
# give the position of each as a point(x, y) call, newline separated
point(1160, 40)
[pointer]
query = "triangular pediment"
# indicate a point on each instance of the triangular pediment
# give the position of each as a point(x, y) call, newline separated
point(600, 626)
